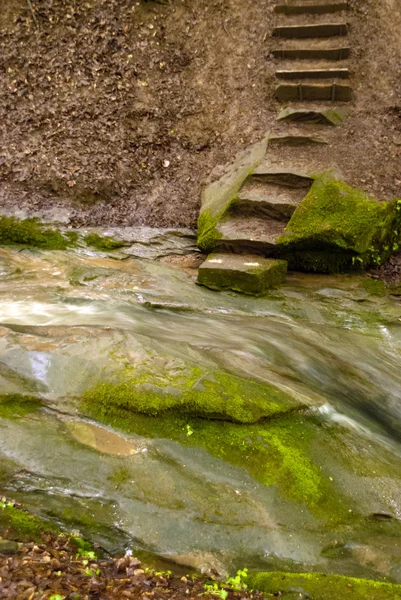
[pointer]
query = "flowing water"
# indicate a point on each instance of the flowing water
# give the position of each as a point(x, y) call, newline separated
point(316, 489)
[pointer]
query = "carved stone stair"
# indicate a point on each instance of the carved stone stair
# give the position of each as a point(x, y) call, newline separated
point(315, 7)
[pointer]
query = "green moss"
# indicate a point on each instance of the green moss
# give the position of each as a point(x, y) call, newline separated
point(322, 587)
point(216, 395)
point(22, 525)
point(31, 232)
point(273, 452)
point(375, 287)
point(103, 242)
point(339, 228)
point(18, 405)
point(208, 236)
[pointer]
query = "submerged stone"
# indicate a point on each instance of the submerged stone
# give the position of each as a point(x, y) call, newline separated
point(219, 195)
point(320, 586)
point(247, 274)
point(339, 228)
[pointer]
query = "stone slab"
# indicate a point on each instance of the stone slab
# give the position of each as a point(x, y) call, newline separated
point(315, 92)
point(243, 273)
point(323, 116)
point(305, 53)
point(315, 8)
point(328, 73)
point(320, 30)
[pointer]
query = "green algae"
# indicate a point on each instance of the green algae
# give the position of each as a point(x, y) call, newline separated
point(31, 232)
point(216, 395)
point(103, 242)
point(18, 405)
point(339, 228)
point(320, 586)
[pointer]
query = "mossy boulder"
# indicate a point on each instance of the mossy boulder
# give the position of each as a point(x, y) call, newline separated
point(31, 232)
point(215, 395)
point(338, 228)
point(322, 587)
point(221, 194)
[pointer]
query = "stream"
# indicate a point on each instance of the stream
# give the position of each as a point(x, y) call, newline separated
point(315, 489)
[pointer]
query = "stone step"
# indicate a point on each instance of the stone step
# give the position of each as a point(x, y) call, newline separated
point(292, 92)
point(245, 273)
point(263, 198)
point(311, 19)
point(322, 115)
point(314, 8)
point(296, 139)
point(243, 233)
point(292, 177)
point(325, 73)
point(320, 30)
point(312, 53)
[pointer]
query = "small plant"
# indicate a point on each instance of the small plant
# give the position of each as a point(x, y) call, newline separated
point(92, 572)
point(56, 597)
point(189, 430)
point(83, 553)
point(4, 503)
point(215, 590)
point(237, 583)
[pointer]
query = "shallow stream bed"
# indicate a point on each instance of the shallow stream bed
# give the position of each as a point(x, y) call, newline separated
point(316, 488)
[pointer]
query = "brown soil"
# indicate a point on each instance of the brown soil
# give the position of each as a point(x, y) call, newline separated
point(52, 569)
point(117, 111)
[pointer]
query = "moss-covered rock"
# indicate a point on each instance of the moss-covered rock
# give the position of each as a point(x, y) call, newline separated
point(31, 232)
point(102, 242)
point(274, 452)
point(322, 587)
point(247, 274)
point(18, 405)
point(220, 195)
point(21, 525)
point(216, 395)
point(339, 228)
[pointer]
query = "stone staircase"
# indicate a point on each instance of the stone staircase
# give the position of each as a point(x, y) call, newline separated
point(313, 85)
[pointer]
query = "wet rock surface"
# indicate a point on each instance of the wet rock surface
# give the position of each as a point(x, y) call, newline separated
point(301, 488)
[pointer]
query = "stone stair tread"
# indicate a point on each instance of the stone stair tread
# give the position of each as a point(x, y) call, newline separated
point(309, 75)
point(275, 193)
point(269, 199)
point(245, 273)
point(324, 43)
point(319, 30)
point(311, 7)
point(312, 65)
point(272, 169)
point(249, 232)
point(312, 19)
point(326, 114)
point(297, 139)
point(311, 50)
point(314, 91)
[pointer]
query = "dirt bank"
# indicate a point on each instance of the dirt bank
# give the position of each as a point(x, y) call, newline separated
point(117, 111)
